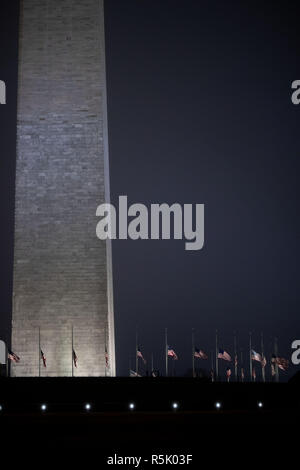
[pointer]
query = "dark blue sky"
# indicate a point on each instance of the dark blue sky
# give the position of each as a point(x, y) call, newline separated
point(200, 111)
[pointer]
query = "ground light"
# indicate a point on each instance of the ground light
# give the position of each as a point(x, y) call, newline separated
point(175, 405)
point(87, 406)
point(131, 406)
point(260, 404)
point(218, 405)
point(43, 407)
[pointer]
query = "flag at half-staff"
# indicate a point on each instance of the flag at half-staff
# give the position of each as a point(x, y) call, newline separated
point(172, 353)
point(13, 356)
point(282, 363)
point(200, 354)
point(255, 356)
point(75, 358)
point(139, 354)
point(43, 357)
point(224, 355)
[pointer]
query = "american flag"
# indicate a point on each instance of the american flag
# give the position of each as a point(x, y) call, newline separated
point(263, 362)
point(12, 356)
point(228, 373)
point(200, 354)
point(172, 353)
point(43, 357)
point(282, 363)
point(255, 356)
point(224, 355)
point(254, 374)
point(139, 354)
point(75, 359)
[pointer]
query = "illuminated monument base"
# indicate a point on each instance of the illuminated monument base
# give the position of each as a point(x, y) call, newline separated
point(62, 271)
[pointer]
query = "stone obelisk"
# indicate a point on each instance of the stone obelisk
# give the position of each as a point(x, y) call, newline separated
point(62, 292)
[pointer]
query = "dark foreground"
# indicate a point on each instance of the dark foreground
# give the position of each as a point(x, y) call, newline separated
point(248, 416)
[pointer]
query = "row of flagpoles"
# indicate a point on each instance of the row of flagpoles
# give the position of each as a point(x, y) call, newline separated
point(236, 363)
point(42, 362)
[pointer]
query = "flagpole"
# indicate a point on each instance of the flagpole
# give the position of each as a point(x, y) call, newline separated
point(166, 340)
point(263, 371)
point(39, 351)
point(136, 350)
point(271, 351)
point(250, 354)
point(72, 352)
point(242, 367)
point(235, 357)
point(212, 364)
point(217, 364)
point(193, 351)
point(105, 350)
point(276, 354)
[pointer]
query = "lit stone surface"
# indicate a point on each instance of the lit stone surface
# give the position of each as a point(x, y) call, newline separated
point(62, 271)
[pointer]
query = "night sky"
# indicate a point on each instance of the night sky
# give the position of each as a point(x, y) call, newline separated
point(199, 111)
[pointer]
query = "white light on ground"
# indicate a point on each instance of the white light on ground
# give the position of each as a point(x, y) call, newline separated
point(260, 404)
point(131, 406)
point(0, 407)
point(175, 405)
point(43, 407)
point(87, 406)
point(218, 405)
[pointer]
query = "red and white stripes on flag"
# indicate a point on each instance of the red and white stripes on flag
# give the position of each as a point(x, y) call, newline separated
point(200, 354)
point(224, 355)
point(43, 357)
point(139, 354)
point(281, 362)
point(228, 373)
point(12, 356)
point(255, 356)
point(172, 353)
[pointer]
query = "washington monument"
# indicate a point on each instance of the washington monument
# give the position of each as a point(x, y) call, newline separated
point(62, 288)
